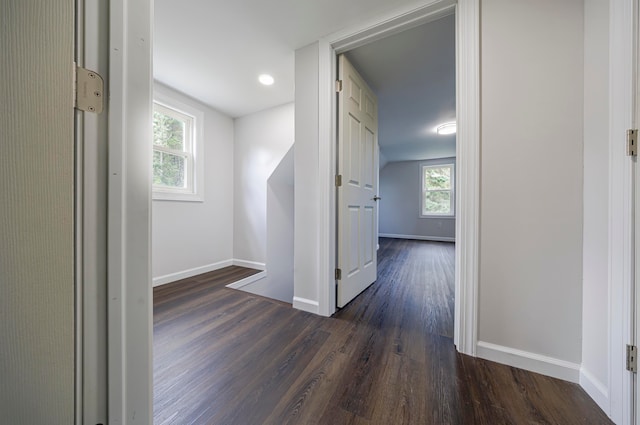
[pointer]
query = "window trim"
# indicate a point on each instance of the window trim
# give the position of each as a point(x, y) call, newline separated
point(422, 168)
point(195, 158)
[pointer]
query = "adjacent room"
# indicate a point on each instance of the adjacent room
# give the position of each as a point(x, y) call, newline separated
point(228, 345)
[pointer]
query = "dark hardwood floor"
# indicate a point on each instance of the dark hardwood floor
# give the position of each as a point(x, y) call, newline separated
point(223, 356)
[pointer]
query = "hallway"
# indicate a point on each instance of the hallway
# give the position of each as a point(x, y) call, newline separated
point(223, 356)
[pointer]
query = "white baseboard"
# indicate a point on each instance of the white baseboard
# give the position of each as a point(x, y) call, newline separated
point(306, 305)
point(419, 238)
point(596, 390)
point(172, 277)
point(248, 280)
point(249, 264)
point(538, 363)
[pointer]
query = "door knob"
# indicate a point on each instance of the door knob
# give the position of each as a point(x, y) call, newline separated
point(376, 198)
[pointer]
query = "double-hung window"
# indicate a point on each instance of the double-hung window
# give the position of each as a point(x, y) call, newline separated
point(177, 152)
point(438, 190)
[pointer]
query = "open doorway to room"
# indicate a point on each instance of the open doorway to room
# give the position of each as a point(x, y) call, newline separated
point(413, 76)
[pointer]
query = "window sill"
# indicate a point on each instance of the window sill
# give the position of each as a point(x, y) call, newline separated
point(177, 197)
point(442, 217)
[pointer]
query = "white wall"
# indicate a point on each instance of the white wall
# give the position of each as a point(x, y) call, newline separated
point(198, 235)
point(306, 158)
point(399, 214)
point(595, 295)
point(263, 203)
point(530, 288)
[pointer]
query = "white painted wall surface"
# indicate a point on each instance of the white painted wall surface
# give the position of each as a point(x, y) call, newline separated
point(530, 288)
point(263, 203)
point(261, 141)
point(191, 235)
point(306, 157)
point(595, 290)
point(278, 282)
point(400, 189)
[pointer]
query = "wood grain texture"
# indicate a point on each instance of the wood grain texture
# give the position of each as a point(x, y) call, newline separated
point(37, 151)
point(228, 357)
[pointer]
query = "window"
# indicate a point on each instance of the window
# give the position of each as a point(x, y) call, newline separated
point(437, 198)
point(177, 151)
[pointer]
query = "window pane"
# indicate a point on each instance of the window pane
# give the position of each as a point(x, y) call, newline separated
point(168, 131)
point(169, 170)
point(437, 178)
point(438, 202)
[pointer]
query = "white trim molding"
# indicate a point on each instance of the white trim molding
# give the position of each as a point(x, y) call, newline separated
point(621, 260)
point(533, 362)
point(184, 274)
point(595, 389)
point(465, 333)
point(239, 284)
point(418, 238)
point(248, 264)
point(307, 305)
point(385, 26)
point(130, 300)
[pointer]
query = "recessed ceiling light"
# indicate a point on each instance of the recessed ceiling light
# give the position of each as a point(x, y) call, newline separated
point(266, 79)
point(446, 128)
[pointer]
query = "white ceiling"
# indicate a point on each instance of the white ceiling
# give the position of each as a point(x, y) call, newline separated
point(214, 50)
point(413, 74)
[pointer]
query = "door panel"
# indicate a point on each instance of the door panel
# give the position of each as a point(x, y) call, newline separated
point(357, 210)
point(37, 210)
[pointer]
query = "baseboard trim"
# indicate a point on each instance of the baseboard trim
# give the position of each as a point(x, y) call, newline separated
point(596, 390)
point(306, 305)
point(172, 277)
point(248, 280)
point(538, 363)
point(419, 238)
point(249, 264)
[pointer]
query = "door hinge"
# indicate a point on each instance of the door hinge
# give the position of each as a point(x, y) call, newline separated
point(632, 358)
point(89, 90)
point(338, 86)
point(632, 142)
point(339, 180)
point(338, 274)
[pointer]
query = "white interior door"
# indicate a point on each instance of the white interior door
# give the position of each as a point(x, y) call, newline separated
point(357, 195)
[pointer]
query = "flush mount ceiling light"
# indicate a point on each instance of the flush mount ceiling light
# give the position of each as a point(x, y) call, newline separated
point(266, 79)
point(446, 128)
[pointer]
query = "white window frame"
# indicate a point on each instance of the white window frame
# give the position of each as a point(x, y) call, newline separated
point(452, 201)
point(194, 150)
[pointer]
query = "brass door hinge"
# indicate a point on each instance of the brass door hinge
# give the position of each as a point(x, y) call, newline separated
point(632, 142)
point(89, 90)
point(632, 358)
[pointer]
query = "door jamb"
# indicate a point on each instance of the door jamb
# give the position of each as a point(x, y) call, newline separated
point(130, 303)
point(92, 52)
point(622, 27)
point(467, 151)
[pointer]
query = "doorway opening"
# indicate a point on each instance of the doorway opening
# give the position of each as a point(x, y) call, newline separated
point(412, 78)
point(322, 57)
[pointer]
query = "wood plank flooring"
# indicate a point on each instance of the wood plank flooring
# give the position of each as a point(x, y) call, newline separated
point(223, 356)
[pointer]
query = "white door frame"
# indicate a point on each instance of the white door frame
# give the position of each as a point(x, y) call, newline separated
point(130, 302)
point(92, 52)
point(621, 250)
point(467, 147)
